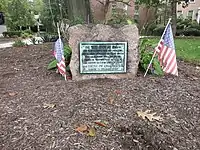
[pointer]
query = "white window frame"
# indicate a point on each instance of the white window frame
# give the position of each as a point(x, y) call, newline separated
point(192, 13)
point(180, 13)
point(191, 2)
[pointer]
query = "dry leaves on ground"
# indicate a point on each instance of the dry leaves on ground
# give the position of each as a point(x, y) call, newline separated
point(82, 128)
point(12, 93)
point(90, 131)
point(147, 115)
point(46, 105)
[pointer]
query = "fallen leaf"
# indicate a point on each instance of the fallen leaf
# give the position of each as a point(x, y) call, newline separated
point(111, 100)
point(49, 105)
point(92, 132)
point(101, 123)
point(118, 92)
point(148, 115)
point(195, 78)
point(12, 93)
point(16, 69)
point(81, 128)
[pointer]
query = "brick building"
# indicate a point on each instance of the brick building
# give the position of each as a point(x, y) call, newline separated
point(190, 12)
point(98, 10)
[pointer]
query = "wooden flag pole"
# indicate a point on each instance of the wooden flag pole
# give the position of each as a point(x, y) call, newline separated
point(154, 54)
point(59, 36)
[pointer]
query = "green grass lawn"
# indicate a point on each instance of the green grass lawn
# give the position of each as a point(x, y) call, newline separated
point(187, 49)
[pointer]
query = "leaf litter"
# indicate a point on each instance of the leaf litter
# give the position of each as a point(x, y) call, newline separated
point(150, 116)
point(88, 100)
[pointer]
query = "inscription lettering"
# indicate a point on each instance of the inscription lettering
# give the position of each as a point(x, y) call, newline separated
point(103, 57)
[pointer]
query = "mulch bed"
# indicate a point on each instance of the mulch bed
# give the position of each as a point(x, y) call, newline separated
point(26, 86)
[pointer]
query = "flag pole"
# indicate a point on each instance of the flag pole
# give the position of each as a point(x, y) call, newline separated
point(154, 54)
point(59, 36)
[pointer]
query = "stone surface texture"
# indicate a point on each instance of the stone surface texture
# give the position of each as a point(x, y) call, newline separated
point(100, 32)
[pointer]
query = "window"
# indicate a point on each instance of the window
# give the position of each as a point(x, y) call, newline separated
point(190, 14)
point(192, 1)
point(179, 14)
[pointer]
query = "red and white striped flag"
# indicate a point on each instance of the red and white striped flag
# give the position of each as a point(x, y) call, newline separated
point(166, 52)
point(59, 55)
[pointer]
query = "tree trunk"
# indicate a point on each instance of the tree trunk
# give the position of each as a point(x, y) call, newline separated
point(173, 14)
point(79, 9)
point(165, 12)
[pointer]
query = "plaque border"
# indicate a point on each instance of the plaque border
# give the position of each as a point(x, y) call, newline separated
point(110, 72)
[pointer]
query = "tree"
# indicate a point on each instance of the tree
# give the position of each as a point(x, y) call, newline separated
point(19, 14)
point(108, 9)
point(173, 4)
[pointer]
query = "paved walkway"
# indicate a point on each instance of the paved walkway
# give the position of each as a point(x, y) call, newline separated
point(4, 43)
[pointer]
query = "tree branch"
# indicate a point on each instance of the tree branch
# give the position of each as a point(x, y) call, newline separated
point(122, 1)
point(100, 2)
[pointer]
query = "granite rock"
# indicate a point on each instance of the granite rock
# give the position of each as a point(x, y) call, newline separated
point(89, 33)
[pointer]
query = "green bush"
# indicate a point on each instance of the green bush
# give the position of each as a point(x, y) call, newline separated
point(191, 32)
point(149, 29)
point(19, 43)
point(146, 53)
point(158, 31)
point(12, 34)
point(187, 27)
point(25, 35)
point(77, 20)
point(67, 55)
point(49, 37)
point(28, 31)
point(119, 17)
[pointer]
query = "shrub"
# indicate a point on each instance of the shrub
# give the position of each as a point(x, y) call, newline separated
point(150, 28)
point(158, 31)
point(146, 53)
point(187, 27)
point(25, 35)
point(49, 37)
point(191, 32)
point(19, 43)
point(67, 55)
point(77, 20)
point(28, 31)
point(119, 17)
point(11, 34)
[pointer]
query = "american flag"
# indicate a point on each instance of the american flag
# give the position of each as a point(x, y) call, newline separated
point(166, 52)
point(59, 55)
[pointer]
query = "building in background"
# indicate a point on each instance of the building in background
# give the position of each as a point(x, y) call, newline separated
point(98, 9)
point(191, 12)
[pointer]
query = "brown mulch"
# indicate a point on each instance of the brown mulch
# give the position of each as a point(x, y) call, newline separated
point(26, 85)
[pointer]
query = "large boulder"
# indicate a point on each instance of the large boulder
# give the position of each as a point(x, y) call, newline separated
point(100, 32)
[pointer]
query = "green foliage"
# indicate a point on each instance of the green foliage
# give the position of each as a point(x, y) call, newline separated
point(25, 35)
point(19, 43)
point(67, 55)
point(12, 34)
point(18, 14)
point(158, 30)
point(146, 53)
point(52, 64)
point(148, 3)
point(187, 27)
point(77, 20)
point(119, 17)
point(49, 37)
